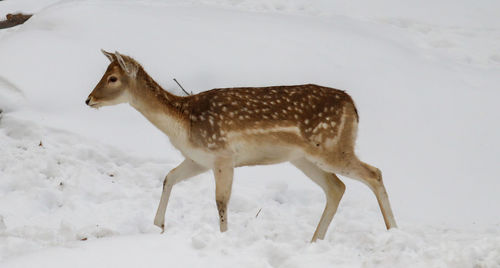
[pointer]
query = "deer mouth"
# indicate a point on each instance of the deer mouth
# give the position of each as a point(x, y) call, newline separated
point(92, 103)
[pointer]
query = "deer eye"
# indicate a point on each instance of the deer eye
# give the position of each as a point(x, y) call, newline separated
point(112, 79)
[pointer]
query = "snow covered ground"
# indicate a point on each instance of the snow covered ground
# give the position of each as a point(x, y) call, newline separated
point(79, 187)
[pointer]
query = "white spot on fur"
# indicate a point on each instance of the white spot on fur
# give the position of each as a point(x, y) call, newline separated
point(253, 131)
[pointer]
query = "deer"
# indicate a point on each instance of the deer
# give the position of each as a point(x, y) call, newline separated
point(311, 126)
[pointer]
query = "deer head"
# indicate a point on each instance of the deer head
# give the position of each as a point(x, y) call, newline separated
point(116, 82)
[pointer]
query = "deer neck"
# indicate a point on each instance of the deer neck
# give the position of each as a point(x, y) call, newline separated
point(161, 108)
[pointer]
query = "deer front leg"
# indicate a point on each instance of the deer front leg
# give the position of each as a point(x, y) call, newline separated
point(223, 183)
point(187, 169)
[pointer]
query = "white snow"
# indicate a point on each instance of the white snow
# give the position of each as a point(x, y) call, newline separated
point(79, 187)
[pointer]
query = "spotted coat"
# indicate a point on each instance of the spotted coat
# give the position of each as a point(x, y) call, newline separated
point(315, 110)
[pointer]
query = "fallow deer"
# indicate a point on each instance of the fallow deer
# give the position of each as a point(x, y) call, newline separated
point(311, 126)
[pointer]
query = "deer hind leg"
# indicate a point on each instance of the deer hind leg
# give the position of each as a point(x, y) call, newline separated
point(332, 186)
point(223, 184)
point(372, 177)
point(187, 169)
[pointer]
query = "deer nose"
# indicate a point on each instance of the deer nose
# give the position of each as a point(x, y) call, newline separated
point(87, 101)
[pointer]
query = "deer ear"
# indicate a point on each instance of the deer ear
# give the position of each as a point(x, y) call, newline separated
point(108, 55)
point(129, 68)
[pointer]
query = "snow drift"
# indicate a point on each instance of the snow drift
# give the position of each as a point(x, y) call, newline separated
point(85, 184)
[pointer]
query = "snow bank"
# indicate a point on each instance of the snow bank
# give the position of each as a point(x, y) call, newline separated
point(93, 206)
point(426, 91)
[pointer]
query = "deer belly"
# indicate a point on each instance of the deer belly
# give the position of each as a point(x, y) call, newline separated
point(266, 149)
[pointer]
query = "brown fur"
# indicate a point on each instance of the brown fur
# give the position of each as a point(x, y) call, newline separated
point(309, 107)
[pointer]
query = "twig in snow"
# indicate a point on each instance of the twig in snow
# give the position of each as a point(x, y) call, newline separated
point(185, 92)
point(258, 213)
